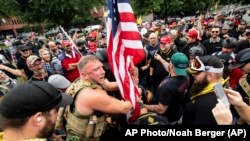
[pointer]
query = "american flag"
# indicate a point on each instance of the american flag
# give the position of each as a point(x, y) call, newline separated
point(124, 46)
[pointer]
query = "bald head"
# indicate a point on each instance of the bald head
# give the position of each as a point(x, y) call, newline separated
point(52, 46)
point(152, 39)
point(152, 35)
point(51, 43)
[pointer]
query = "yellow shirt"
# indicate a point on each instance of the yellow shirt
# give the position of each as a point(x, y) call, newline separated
point(37, 139)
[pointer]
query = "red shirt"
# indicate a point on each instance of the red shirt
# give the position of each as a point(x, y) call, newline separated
point(71, 74)
point(234, 77)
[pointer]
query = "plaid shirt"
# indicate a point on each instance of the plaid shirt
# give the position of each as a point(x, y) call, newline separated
point(48, 68)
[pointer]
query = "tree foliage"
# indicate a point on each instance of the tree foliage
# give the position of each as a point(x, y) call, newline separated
point(58, 12)
point(170, 7)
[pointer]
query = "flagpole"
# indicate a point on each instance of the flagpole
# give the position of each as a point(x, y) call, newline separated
point(71, 41)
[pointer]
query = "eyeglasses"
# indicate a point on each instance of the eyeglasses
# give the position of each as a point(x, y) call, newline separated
point(38, 64)
point(215, 31)
point(197, 65)
point(163, 43)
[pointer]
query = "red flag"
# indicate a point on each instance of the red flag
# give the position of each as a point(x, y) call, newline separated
point(124, 43)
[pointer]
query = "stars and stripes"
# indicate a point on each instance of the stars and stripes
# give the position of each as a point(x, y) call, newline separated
point(124, 46)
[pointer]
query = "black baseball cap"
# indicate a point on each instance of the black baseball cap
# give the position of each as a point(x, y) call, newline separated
point(242, 58)
point(23, 47)
point(226, 59)
point(32, 97)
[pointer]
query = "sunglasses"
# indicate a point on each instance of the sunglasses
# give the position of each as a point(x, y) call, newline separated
point(25, 50)
point(197, 65)
point(215, 31)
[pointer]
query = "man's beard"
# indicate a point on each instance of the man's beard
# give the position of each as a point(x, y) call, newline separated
point(197, 87)
point(47, 130)
point(39, 72)
point(69, 51)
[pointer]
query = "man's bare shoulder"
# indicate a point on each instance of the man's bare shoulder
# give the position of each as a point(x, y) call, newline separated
point(90, 93)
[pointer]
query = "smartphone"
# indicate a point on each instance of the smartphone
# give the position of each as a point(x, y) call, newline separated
point(220, 93)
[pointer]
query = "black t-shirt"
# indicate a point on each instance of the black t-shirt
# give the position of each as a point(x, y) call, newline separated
point(212, 47)
point(159, 72)
point(21, 64)
point(42, 79)
point(143, 73)
point(199, 110)
point(171, 92)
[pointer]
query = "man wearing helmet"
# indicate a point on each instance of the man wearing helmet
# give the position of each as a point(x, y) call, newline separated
point(195, 51)
point(228, 46)
point(228, 56)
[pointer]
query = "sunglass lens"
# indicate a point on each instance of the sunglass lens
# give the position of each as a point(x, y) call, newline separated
point(197, 64)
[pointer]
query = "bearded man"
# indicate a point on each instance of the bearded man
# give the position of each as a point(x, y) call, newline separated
point(35, 64)
point(207, 71)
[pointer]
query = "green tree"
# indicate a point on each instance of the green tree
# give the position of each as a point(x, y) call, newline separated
point(170, 7)
point(57, 12)
point(6, 8)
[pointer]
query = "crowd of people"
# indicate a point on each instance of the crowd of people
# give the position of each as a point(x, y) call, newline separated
point(69, 91)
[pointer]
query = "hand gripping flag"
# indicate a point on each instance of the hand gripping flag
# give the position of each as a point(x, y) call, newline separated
point(124, 43)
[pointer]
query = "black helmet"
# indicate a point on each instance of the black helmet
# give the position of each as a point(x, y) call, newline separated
point(196, 51)
point(80, 42)
point(103, 57)
point(229, 42)
point(242, 58)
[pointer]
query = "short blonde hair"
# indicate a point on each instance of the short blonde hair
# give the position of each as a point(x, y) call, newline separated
point(42, 50)
point(84, 60)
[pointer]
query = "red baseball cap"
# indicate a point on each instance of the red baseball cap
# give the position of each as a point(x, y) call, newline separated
point(166, 39)
point(91, 35)
point(192, 33)
point(65, 43)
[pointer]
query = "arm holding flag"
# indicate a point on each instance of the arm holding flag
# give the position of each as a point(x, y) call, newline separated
point(113, 86)
point(124, 42)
